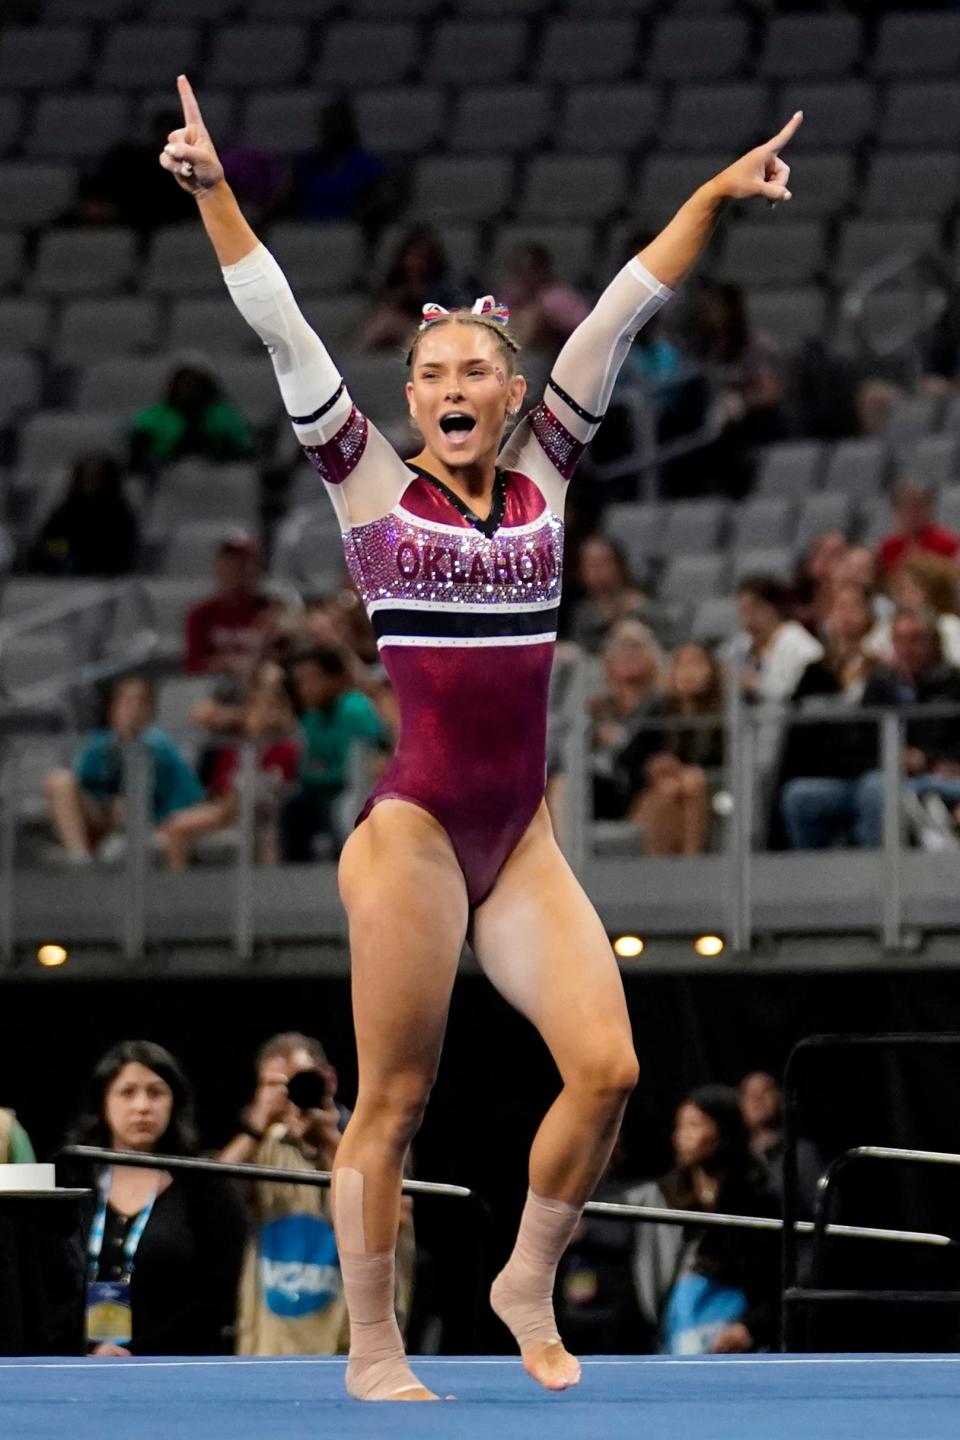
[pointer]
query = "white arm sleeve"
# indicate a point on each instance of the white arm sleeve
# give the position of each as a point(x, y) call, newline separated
point(363, 473)
point(582, 380)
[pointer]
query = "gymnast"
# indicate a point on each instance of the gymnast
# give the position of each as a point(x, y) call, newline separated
point(457, 555)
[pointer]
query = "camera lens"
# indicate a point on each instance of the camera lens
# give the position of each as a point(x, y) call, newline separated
point(307, 1090)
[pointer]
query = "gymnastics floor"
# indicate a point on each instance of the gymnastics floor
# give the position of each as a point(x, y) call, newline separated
point(775, 1397)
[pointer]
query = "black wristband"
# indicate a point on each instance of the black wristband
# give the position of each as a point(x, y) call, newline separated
point(245, 1128)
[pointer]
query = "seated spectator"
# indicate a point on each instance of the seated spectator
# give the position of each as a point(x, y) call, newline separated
point(87, 802)
point(226, 632)
point(193, 418)
point(129, 188)
point(163, 1249)
point(609, 593)
point(93, 530)
point(814, 579)
point(418, 272)
point(632, 669)
point(859, 566)
point(337, 179)
point(713, 1290)
point(668, 768)
point(268, 721)
point(544, 311)
point(914, 510)
point(15, 1147)
point(923, 582)
point(333, 718)
point(761, 1106)
point(772, 651)
point(816, 813)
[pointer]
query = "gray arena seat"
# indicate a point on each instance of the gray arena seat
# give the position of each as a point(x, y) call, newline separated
point(763, 560)
point(638, 527)
point(312, 10)
point(806, 46)
point(219, 111)
point(322, 258)
point(109, 325)
point(715, 621)
point(11, 261)
point(460, 242)
point(790, 252)
point(857, 467)
point(87, 11)
point(191, 550)
point(33, 192)
point(176, 697)
point(933, 459)
point(198, 12)
point(181, 261)
point(77, 126)
point(50, 440)
point(667, 180)
point(913, 417)
point(694, 527)
point(490, 51)
point(571, 247)
point(42, 57)
point(864, 243)
point(830, 510)
point(574, 50)
point(605, 118)
point(377, 385)
point(699, 115)
point(13, 113)
point(394, 9)
point(688, 49)
point(912, 183)
point(460, 187)
point(922, 112)
point(172, 598)
point(25, 322)
point(80, 261)
point(138, 57)
point(837, 114)
point(366, 52)
point(281, 120)
point(573, 187)
point(949, 507)
point(206, 493)
point(214, 325)
point(501, 117)
point(19, 384)
point(911, 44)
point(793, 315)
point(691, 579)
point(261, 55)
point(762, 521)
point(790, 469)
point(250, 384)
point(336, 318)
point(424, 111)
point(829, 184)
point(124, 384)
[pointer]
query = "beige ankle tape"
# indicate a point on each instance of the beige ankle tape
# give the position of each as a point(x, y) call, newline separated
point(522, 1294)
point(377, 1368)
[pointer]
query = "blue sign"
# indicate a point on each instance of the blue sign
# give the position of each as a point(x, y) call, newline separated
point(299, 1269)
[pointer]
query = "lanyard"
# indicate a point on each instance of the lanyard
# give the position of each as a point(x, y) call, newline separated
point(134, 1234)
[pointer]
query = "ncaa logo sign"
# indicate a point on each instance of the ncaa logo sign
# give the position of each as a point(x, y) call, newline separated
point(299, 1269)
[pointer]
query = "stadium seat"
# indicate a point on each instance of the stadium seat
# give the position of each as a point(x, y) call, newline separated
point(191, 550)
point(87, 11)
point(307, 549)
point(394, 9)
point(77, 126)
point(214, 325)
point(715, 621)
point(573, 187)
point(282, 120)
point(573, 51)
point(667, 180)
point(377, 385)
point(33, 193)
point(571, 248)
point(484, 50)
point(632, 8)
point(701, 115)
point(138, 57)
point(80, 261)
point(763, 560)
point(912, 183)
point(336, 318)
point(251, 385)
point(34, 658)
point(109, 325)
point(13, 110)
point(514, 9)
point(171, 599)
point(917, 44)
point(424, 111)
point(762, 521)
point(949, 507)
point(922, 112)
point(790, 470)
point(806, 46)
point(774, 254)
point(865, 243)
point(933, 459)
point(203, 12)
point(260, 55)
point(460, 242)
point(501, 117)
point(913, 417)
point(857, 467)
point(11, 261)
point(51, 439)
point(691, 579)
point(837, 114)
point(123, 385)
point(455, 187)
point(319, 257)
point(689, 49)
point(830, 510)
point(829, 183)
point(182, 262)
point(607, 118)
point(693, 527)
point(176, 697)
point(24, 322)
point(42, 57)
point(793, 315)
point(223, 494)
point(312, 10)
point(19, 383)
point(218, 111)
point(638, 527)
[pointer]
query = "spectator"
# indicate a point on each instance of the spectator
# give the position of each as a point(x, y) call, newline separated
point(609, 593)
point(338, 179)
point(15, 1147)
point(128, 188)
point(93, 530)
point(814, 580)
point(226, 632)
point(418, 271)
point(772, 650)
point(916, 528)
point(669, 767)
point(291, 1296)
point(333, 718)
point(193, 418)
point(87, 802)
point(815, 813)
point(544, 311)
point(267, 720)
point(185, 1233)
point(923, 582)
point(761, 1105)
point(708, 1290)
point(632, 669)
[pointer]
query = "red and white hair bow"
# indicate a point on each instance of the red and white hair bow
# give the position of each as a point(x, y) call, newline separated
point(486, 306)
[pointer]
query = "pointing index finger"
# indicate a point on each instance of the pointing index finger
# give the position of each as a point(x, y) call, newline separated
point(786, 134)
point(191, 110)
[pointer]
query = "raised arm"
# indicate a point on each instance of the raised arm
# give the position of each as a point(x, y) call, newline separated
point(333, 433)
point(583, 377)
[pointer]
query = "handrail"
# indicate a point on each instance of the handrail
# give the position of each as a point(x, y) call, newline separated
point(667, 1215)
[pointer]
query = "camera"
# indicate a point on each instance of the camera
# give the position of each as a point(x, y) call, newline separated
point(307, 1090)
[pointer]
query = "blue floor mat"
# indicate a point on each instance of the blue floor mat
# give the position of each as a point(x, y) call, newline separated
point(883, 1397)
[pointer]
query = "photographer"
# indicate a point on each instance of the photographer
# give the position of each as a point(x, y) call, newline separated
point(291, 1293)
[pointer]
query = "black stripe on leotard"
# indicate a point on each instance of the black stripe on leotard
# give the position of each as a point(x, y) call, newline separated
point(309, 419)
point(569, 400)
point(462, 625)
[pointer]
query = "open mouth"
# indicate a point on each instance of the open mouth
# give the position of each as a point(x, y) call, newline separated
point(456, 421)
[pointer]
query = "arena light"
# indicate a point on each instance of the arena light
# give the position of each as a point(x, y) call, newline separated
point(708, 945)
point(628, 947)
point(52, 955)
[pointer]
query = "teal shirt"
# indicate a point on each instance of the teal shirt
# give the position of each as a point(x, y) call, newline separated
point(21, 1151)
point(99, 769)
point(329, 734)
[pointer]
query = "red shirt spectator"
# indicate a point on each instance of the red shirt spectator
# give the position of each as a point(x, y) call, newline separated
point(280, 761)
point(225, 633)
point(917, 529)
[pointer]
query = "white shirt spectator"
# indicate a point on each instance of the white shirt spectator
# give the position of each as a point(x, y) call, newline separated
point(787, 655)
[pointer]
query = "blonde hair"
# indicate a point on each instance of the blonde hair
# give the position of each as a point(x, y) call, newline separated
point(509, 345)
point(935, 576)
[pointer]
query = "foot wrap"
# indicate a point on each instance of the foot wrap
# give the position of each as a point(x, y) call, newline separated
point(522, 1294)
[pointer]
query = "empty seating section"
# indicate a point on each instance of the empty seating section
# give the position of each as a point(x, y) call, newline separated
point(571, 124)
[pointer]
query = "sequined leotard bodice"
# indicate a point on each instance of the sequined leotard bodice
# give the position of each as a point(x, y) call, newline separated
point(464, 609)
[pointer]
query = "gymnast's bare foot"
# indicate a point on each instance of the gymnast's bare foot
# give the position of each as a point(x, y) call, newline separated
point(552, 1365)
point(420, 1392)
